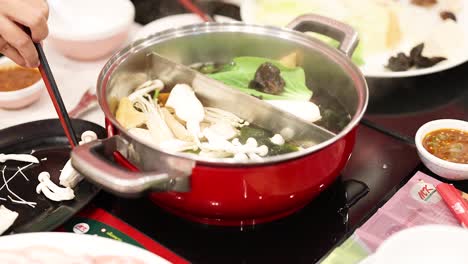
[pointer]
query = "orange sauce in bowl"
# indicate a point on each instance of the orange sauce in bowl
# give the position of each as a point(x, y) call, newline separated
point(448, 144)
point(13, 78)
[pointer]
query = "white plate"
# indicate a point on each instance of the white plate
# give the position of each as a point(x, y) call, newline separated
point(76, 244)
point(429, 244)
point(173, 22)
point(375, 64)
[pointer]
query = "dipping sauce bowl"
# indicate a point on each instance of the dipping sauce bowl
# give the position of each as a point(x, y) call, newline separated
point(19, 87)
point(444, 168)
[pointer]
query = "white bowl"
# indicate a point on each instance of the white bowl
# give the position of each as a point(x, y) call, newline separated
point(443, 168)
point(89, 29)
point(173, 21)
point(428, 244)
point(19, 98)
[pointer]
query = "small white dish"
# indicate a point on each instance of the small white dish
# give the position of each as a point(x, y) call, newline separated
point(88, 29)
point(173, 22)
point(443, 168)
point(19, 98)
point(374, 66)
point(428, 244)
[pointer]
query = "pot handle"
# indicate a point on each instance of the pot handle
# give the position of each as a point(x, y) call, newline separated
point(88, 159)
point(339, 31)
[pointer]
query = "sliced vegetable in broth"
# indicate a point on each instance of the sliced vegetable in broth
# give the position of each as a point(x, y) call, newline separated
point(448, 144)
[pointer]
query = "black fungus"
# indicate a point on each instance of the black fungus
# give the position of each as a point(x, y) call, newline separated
point(268, 79)
point(448, 15)
point(416, 51)
point(403, 62)
point(421, 61)
point(425, 62)
point(400, 62)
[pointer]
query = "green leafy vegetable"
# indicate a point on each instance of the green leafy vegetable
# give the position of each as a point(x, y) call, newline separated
point(239, 74)
point(358, 56)
point(262, 137)
point(281, 149)
point(156, 94)
point(197, 151)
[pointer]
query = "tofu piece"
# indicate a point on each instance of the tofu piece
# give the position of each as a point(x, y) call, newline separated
point(7, 218)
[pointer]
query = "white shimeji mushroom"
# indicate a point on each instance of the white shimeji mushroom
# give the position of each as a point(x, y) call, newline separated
point(305, 110)
point(215, 115)
point(145, 88)
point(155, 122)
point(176, 145)
point(179, 130)
point(277, 139)
point(88, 136)
point(187, 107)
point(241, 157)
point(218, 144)
point(224, 129)
point(69, 177)
point(51, 190)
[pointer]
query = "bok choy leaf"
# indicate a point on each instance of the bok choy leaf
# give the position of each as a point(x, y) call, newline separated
point(239, 74)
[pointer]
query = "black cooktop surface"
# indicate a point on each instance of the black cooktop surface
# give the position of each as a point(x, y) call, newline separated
point(304, 237)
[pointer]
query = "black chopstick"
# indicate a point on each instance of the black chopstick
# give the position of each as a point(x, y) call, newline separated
point(55, 96)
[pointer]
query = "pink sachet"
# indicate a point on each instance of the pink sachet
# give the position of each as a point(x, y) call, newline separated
point(416, 203)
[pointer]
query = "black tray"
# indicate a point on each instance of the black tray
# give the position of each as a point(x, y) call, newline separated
point(48, 140)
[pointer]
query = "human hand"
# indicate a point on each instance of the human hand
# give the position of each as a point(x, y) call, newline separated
point(15, 43)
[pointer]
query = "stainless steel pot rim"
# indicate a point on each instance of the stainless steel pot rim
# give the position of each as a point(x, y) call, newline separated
point(216, 27)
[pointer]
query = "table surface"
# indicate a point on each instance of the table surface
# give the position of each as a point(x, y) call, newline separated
point(383, 159)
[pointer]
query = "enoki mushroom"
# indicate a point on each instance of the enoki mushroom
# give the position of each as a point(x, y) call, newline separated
point(18, 157)
point(5, 185)
point(21, 171)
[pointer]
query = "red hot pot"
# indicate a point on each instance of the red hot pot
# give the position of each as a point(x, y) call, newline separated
point(226, 193)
